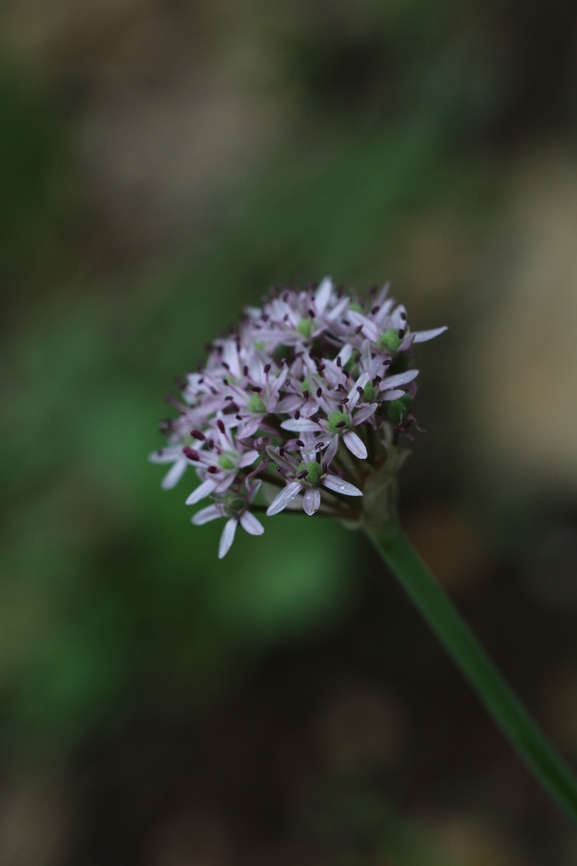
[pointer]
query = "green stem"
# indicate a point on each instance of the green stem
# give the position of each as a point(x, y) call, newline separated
point(509, 713)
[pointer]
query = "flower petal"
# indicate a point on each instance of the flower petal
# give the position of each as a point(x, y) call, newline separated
point(284, 498)
point(247, 459)
point(212, 512)
point(174, 474)
point(423, 336)
point(399, 379)
point(312, 500)
point(331, 451)
point(355, 445)
point(166, 455)
point(323, 295)
point(333, 482)
point(227, 537)
point(364, 413)
point(299, 426)
point(250, 524)
point(201, 492)
point(393, 395)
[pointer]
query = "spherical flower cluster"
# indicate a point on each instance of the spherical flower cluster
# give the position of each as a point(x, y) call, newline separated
point(296, 408)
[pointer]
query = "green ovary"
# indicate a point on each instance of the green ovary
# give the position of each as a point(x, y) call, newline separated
point(370, 392)
point(256, 405)
point(226, 462)
point(335, 424)
point(389, 341)
point(314, 471)
point(305, 328)
point(398, 410)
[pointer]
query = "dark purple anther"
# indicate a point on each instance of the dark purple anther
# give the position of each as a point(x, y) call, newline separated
point(191, 453)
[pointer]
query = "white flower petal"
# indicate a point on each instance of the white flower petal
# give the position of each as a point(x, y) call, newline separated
point(174, 474)
point(345, 354)
point(399, 379)
point(201, 492)
point(323, 295)
point(353, 394)
point(166, 455)
point(247, 459)
point(355, 445)
point(364, 413)
point(227, 537)
point(338, 308)
point(284, 498)
point(333, 482)
point(212, 512)
point(393, 395)
point(331, 451)
point(250, 524)
point(423, 336)
point(312, 500)
point(299, 426)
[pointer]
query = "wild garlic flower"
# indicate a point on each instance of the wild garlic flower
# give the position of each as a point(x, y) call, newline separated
point(298, 406)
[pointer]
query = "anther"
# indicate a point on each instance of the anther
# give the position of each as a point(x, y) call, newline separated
point(300, 443)
point(297, 415)
point(191, 453)
point(306, 395)
point(303, 474)
point(198, 435)
point(267, 368)
point(359, 329)
point(341, 424)
point(212, 469)
point(319, 392)
point(220, 425)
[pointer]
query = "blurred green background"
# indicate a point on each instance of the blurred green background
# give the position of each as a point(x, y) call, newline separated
point(162, 163)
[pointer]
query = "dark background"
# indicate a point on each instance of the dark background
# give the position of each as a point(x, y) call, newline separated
point(162, 163)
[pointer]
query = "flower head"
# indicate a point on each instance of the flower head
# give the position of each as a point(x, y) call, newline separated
point(301, 405)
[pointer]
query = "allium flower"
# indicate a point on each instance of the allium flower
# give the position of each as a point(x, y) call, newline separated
point(300, 405)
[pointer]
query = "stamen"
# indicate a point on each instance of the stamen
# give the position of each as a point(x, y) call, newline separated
point(191, 453)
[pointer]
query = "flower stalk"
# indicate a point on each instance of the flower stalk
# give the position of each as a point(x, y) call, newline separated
point(382, 528)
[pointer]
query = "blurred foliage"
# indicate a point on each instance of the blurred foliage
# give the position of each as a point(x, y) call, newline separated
point(32, 165)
